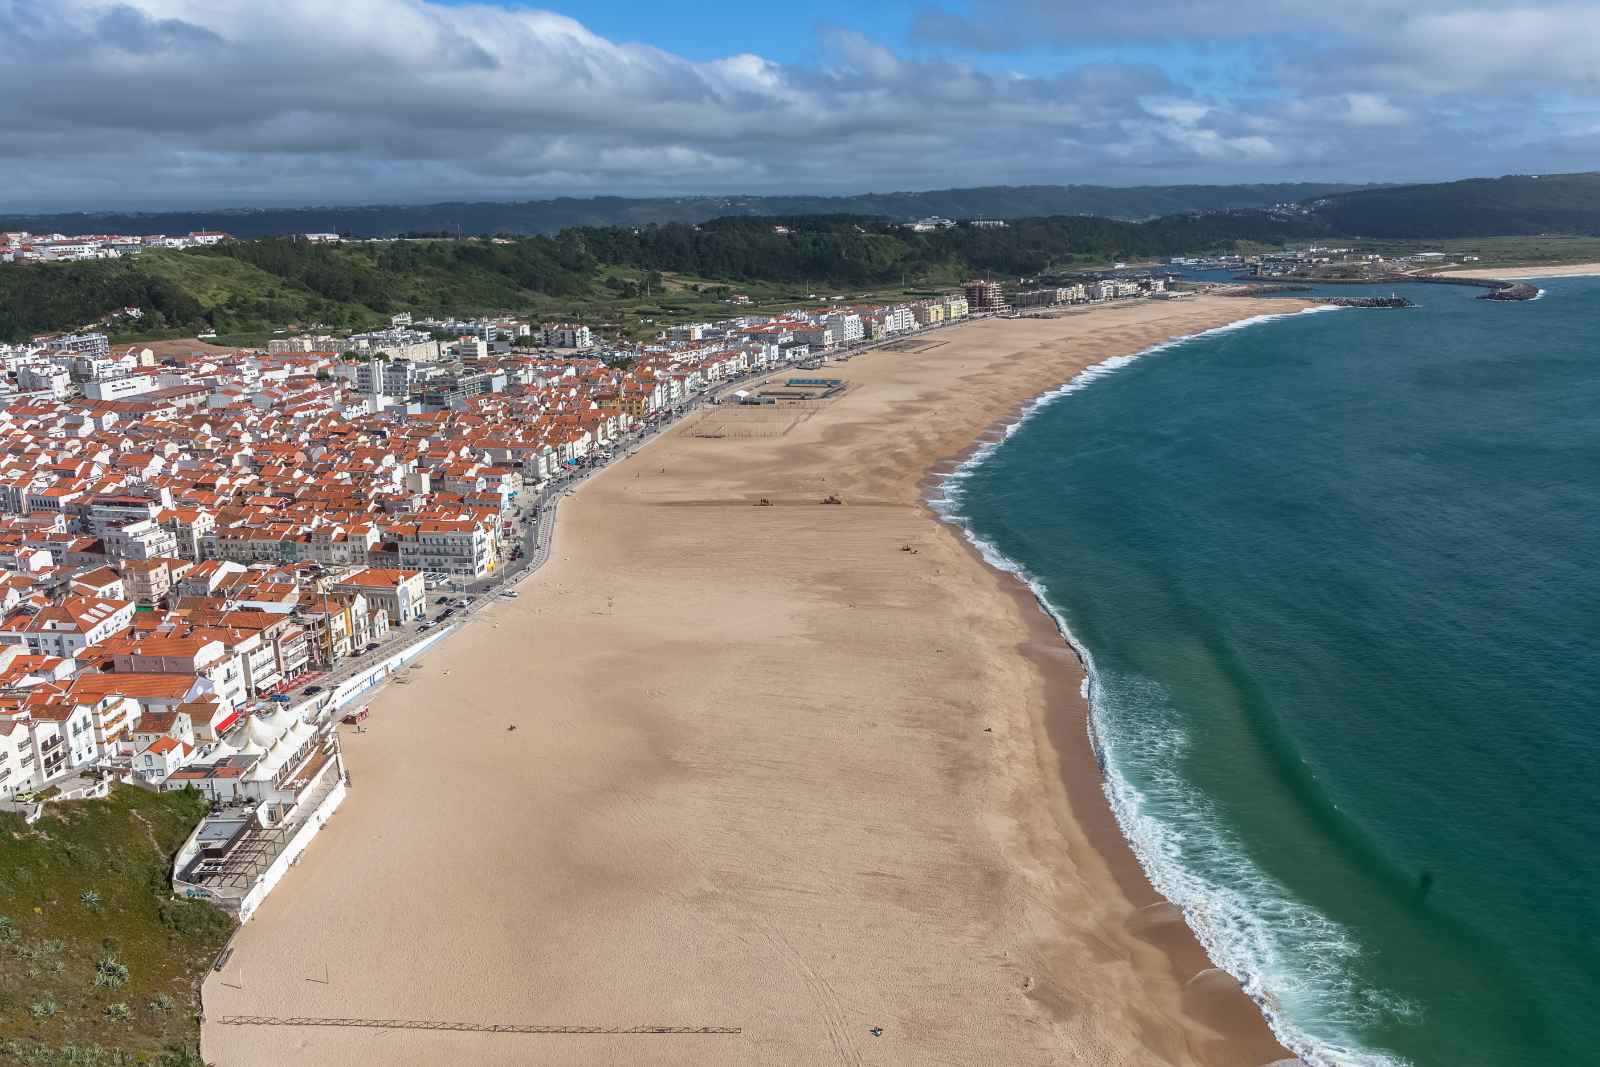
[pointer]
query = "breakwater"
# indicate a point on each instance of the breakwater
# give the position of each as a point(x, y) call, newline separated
point(1498, 288)
point(1390, 301)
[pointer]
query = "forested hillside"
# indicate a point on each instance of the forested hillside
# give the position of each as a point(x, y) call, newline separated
point(1516, 205)
point(248, 286)
point(846, 250)
point(54, 296)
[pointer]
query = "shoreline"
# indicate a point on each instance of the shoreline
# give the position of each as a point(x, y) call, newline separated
point(1209, 993)
point(1520, 273)
point(1017, 843)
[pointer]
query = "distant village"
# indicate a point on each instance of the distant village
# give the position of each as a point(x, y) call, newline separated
point(20, 246)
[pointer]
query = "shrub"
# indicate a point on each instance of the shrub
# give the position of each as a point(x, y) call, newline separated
point(42, 1009)
point(110, 974)
point(118, 1012)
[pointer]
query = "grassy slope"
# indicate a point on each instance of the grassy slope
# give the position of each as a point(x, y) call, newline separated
point(119, 848)
point(211, 280)
point(680, 301)
point(1502, 251)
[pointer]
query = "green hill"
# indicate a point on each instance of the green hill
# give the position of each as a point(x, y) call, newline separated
point(1515, 205)
point(99, 963)
point(254, 287)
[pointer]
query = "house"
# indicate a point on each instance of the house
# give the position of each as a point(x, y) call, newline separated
point(62, 732)
point(69, 627)
point(18, 761)
point(156, 762)
point(400, 593)
point(102, 582)
point(155, 725)
point(189, 652)
point(148, 581)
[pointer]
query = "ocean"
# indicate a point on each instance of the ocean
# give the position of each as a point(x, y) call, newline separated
point(1337, 577)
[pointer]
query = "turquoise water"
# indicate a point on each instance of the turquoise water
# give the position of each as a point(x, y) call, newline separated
point(1337, 575)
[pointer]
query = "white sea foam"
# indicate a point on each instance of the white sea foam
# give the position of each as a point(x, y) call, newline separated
point(1292, 960)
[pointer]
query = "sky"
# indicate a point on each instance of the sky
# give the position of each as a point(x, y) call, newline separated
point(156, 104)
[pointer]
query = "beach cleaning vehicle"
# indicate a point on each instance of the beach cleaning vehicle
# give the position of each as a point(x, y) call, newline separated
point(359, 715)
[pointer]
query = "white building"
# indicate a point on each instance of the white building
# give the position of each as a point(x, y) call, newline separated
point(899, 320)
point(120, 388)
point(454, 547)
point(67, 628)
point(44, 378)
point(140, 540)
point(846, 326)
point(568, 335)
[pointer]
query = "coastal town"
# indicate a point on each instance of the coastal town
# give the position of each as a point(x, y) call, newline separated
point(966, 532)
point(21, 246)
point(209, 555)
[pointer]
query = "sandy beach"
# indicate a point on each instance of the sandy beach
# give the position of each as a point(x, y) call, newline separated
point(1566, 270)
point(810, 773)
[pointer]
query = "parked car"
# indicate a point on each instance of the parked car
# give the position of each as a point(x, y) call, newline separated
point(510, 594)
point(313, 690)
point(279, 698)
point(373, 647)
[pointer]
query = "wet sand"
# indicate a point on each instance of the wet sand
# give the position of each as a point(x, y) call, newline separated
point(801, 771)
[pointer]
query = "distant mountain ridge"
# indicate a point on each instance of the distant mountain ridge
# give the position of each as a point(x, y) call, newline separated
point(550, 216)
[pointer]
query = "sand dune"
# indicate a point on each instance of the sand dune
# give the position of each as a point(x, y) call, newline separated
point(772, 771)
point(1565, 270)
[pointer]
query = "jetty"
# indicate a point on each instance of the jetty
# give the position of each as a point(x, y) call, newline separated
point(1498, 288)
point(1390, 301)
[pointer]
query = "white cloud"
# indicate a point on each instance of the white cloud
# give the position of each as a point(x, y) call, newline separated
point(208, 102)
point(1424, 46)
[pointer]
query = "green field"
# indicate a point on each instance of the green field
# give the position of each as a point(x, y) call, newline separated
point(1505, 251)
point(99, 963)
point(685, 298)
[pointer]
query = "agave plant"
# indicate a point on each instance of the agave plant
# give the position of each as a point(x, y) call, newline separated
point(110, 973)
